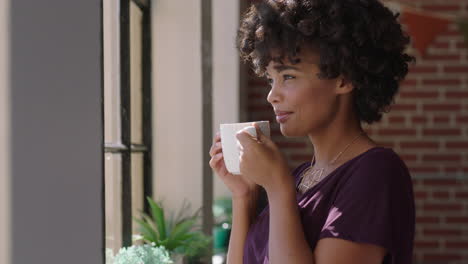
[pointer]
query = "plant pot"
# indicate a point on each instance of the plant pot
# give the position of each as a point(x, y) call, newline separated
point(179, 259)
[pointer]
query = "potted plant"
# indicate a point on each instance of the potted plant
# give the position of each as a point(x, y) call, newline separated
point(140, 254)
point(181, 236)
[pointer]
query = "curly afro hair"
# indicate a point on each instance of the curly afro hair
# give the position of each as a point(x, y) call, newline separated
point(358, 39)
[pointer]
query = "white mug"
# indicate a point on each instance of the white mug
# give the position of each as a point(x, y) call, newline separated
point(231, 152)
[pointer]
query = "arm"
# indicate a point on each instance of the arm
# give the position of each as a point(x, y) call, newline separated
point(287, 243)
point(243, 213)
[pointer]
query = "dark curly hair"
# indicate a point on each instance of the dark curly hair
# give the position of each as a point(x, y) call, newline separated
point(359, 39)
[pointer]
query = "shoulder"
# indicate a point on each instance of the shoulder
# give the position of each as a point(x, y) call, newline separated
point(379, 165)
point(379, 158)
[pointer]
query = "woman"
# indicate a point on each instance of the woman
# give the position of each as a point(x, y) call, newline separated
point(332, 65)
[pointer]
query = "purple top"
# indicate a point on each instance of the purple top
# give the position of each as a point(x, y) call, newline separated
point(368, 199)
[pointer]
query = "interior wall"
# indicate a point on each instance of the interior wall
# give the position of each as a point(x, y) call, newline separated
point(177, 102)
point(225, 72)
point(56, 131)
point(4, 135)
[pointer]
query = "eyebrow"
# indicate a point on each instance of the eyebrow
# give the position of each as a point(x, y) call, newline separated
point(280, 68)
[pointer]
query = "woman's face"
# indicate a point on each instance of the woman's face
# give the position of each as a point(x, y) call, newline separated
point(311, 103)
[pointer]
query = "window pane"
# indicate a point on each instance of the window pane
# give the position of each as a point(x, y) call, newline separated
point(113, 198)
point(111, 72)
point(136, 77)
point(137, 187)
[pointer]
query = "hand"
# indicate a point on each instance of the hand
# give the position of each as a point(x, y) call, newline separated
point(240, 186)
point(262, 162)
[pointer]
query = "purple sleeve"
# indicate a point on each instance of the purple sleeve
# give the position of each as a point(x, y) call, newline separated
point(362, 209)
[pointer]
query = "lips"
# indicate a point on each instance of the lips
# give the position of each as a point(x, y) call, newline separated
point(282, 116)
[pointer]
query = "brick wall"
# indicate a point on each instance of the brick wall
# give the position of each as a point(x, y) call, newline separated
point(428, 128)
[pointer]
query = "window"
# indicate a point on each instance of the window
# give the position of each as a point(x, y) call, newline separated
point(127, 116)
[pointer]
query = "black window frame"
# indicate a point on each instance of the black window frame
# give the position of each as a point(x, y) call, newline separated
point(126, 147)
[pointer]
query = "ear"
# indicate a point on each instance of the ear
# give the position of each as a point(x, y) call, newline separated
point(343, 86)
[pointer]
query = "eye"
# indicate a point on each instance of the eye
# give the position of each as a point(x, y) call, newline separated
point(288, 77)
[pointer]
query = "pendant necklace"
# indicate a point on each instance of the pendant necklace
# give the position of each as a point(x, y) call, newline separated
point(311, 176)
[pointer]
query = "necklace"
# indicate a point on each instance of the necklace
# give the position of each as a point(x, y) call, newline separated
point(310, 176)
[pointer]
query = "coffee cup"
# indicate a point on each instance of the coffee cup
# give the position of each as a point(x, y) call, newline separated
point(229, 142)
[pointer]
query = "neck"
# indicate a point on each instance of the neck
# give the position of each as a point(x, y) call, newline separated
point(328, 142)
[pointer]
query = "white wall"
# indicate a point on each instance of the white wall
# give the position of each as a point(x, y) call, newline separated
point(4, 135)
point(177, 102)
point(177, 91)
point(225, 72)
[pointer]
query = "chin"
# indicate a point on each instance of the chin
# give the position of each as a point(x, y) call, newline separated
point(289, 132)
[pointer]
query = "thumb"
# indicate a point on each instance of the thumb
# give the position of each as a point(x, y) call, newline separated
point(261, 137)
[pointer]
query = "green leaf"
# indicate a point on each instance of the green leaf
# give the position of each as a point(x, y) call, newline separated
point(182, 228)
point(147, 232)
point(158, 216)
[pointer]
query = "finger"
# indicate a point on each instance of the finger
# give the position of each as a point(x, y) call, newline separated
point(261, 137)
point(215, 148)
point(217, 137)
point(244, 138)
point(215, 160)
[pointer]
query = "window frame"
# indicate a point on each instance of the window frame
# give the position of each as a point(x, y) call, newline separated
point(125, 147)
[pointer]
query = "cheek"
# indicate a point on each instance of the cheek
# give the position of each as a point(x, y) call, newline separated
point(315, 106)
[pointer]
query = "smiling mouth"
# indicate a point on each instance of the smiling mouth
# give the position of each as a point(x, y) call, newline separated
point(283, 117)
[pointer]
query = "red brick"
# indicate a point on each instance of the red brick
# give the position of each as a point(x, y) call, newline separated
point(461, 195)
point(442, 82)
point(442, 132)
point(457, 145)
point(457, 244)
point(396, 119)
point(408, 157)
point(441, 7)
point(255, 95)
point(387, 144)
point(439, 45)
point(397, 132)
point(260, 108)
point(403, 107)
point(409, 82)
point(441, 257)
point(456, 95)
point(257, 82)
point(443, 207)
point(442, 157)
point(441, 119)
point(421, 194)
point(451, 169)
point(423, 69)
point(426, 244)
point(424, 169)
point(457, 220)
point(441, 195)
point(427, 220)
point(440, 182)
point(441, 232)
point(418, 94)
point(419, 119)
point(456, 69)
point(462, 119)
point(442, 107)
point(442, 57)
point(419, 145)
point(461, 45)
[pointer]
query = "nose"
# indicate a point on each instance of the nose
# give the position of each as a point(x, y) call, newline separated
point(274, 94)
